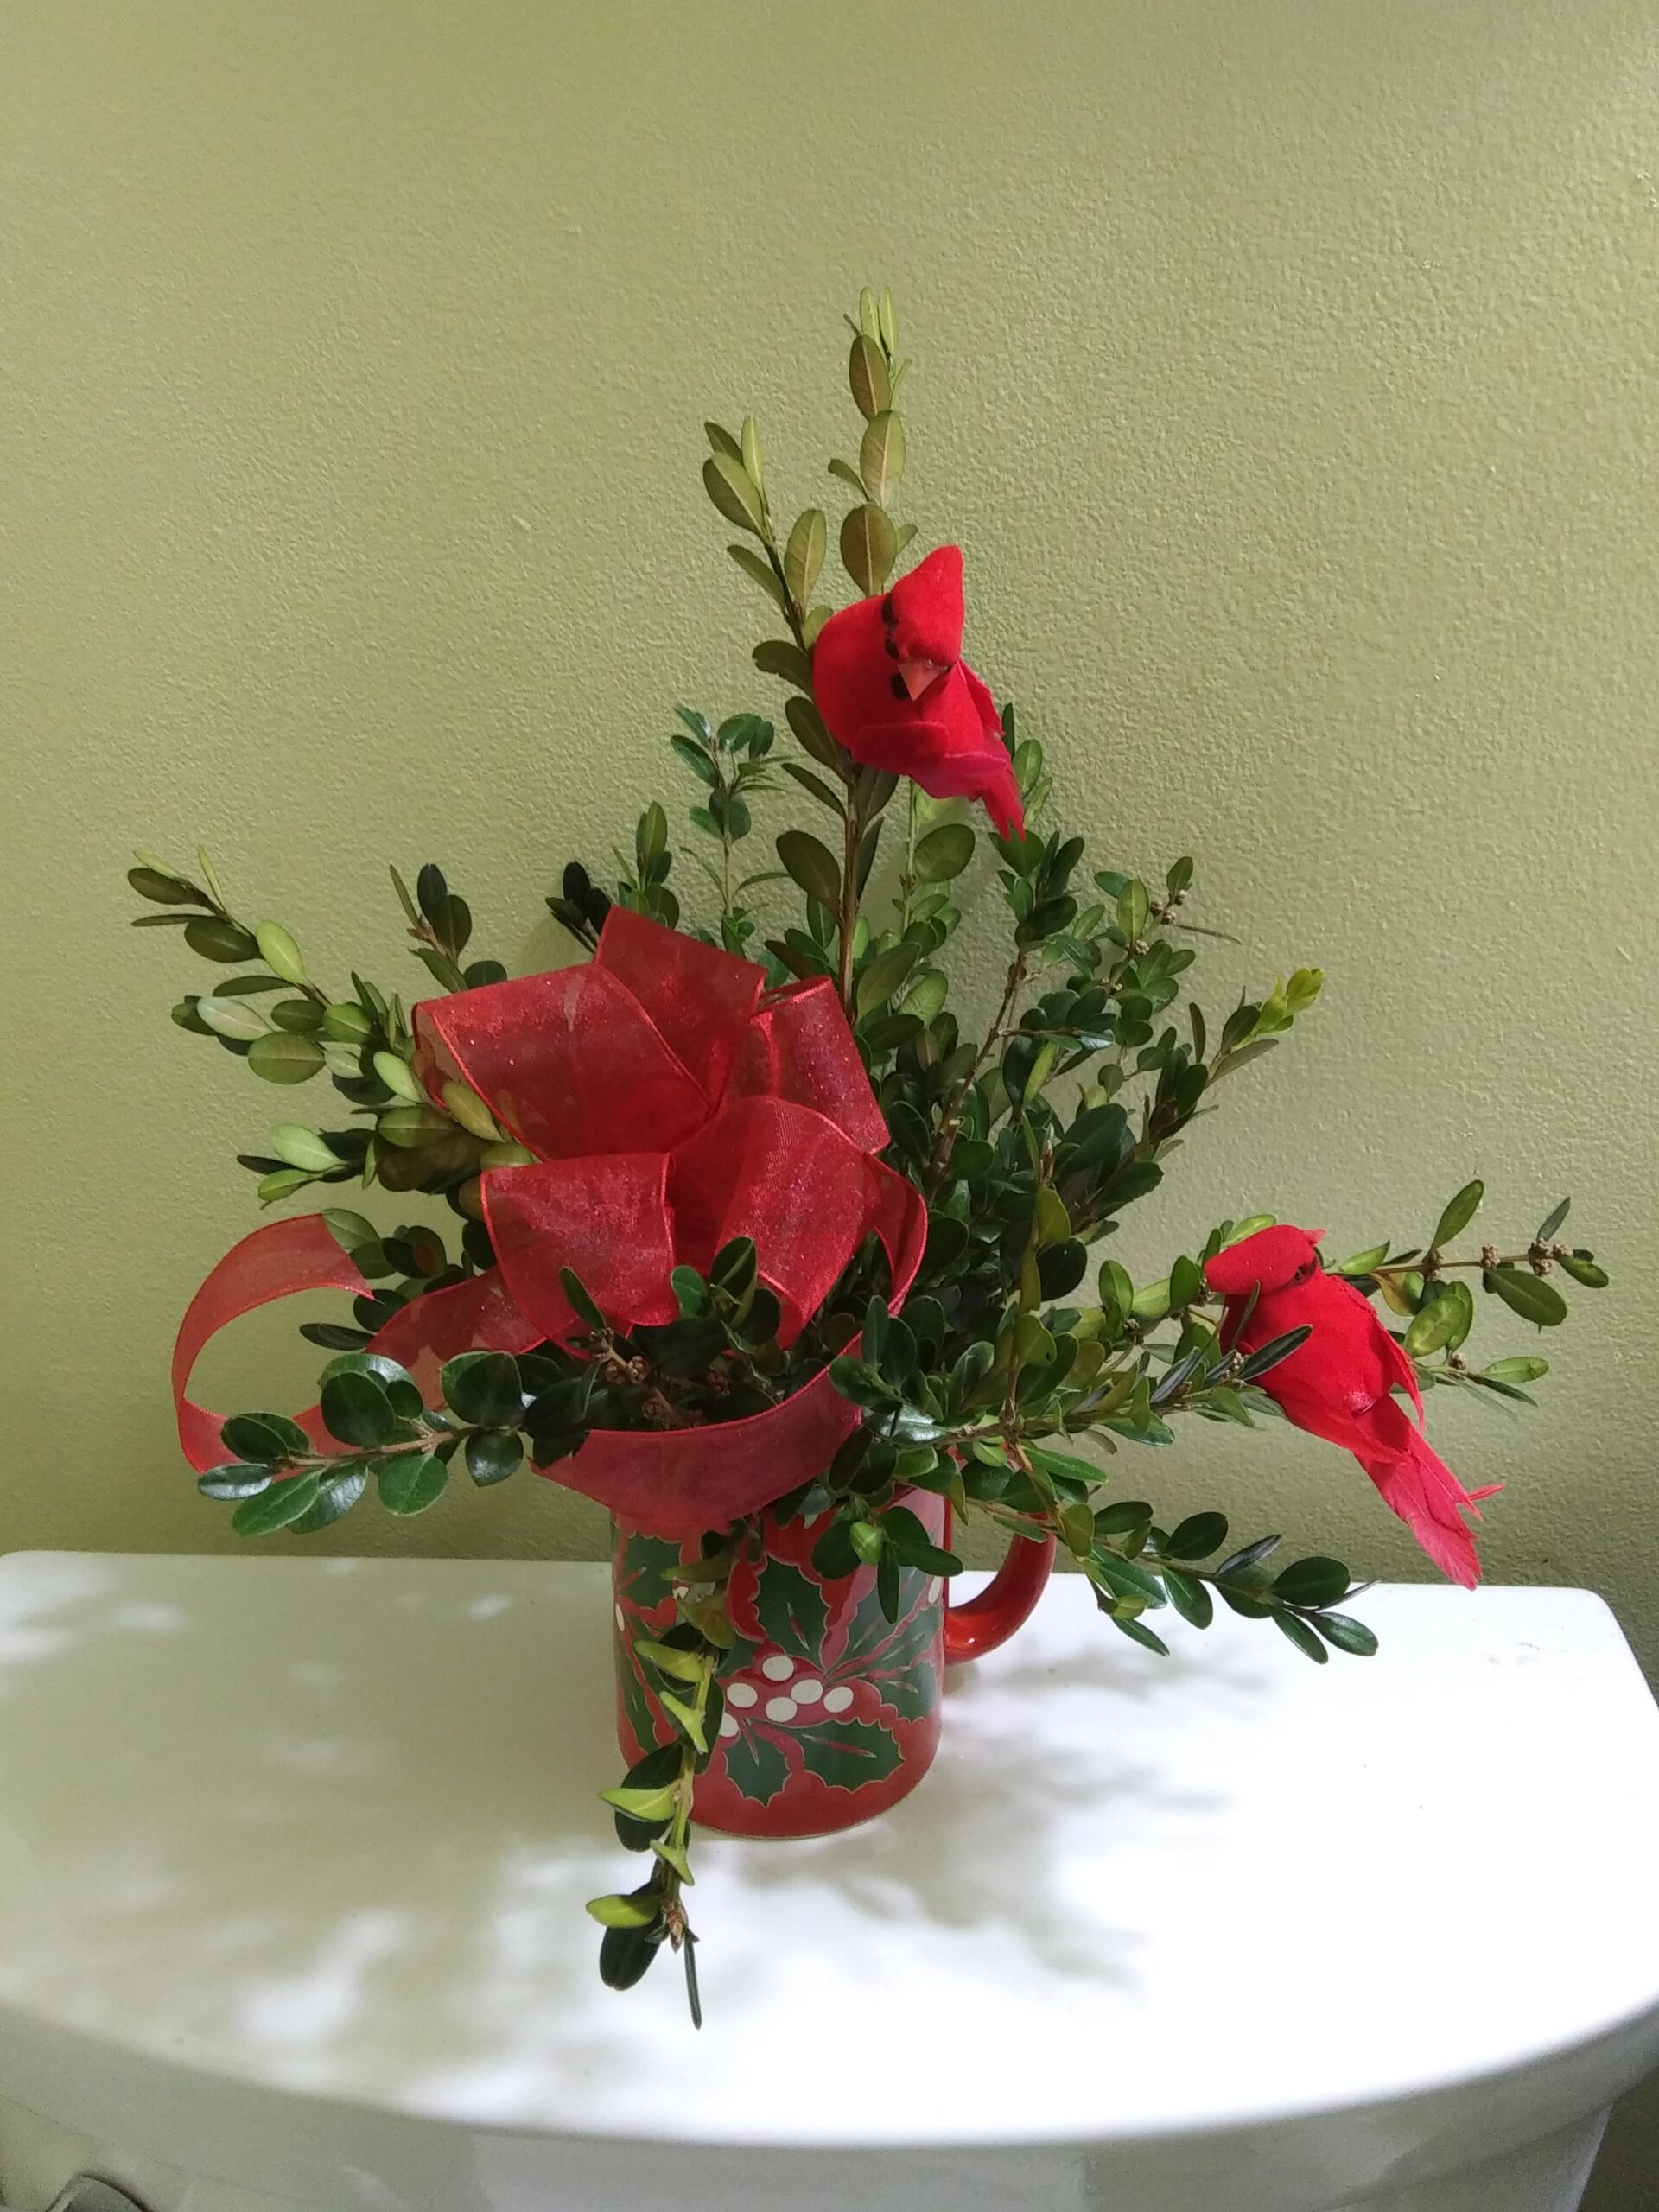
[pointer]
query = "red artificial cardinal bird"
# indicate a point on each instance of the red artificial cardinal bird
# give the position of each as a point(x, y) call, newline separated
point(1338, 1382)
point(891, 683)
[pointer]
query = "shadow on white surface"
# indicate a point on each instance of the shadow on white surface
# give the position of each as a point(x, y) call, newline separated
point(337, 1829)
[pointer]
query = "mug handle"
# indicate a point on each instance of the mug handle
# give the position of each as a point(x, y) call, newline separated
point(1006, 1603)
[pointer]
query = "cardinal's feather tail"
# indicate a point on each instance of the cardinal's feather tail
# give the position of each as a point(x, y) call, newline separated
point(1422, 1490)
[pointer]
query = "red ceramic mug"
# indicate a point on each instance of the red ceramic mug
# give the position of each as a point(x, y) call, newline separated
point(832, 1711)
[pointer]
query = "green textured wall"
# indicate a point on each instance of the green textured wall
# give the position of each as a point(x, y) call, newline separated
point(1287, 370)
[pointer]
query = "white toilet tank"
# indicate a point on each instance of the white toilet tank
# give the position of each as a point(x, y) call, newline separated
point(293, 1852)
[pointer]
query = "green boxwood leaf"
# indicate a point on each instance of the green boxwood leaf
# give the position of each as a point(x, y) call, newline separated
point(411, 1481)
point(334, 1336)
point(347, 1229)
point(867, 374)
point(1185, 1283)
point(337, 1494)
point(1347, 1634)
point(1527, 1367)
point(1083, 1471)
point(1315, 1581)
point(237, 1480)
point(835, 1554)
point(1138, 1632)
point(1583, 1270)
point(626, 1957)
point(945, 852)
point(264, 1437)
point(230, 1017)
point(281, 1183)
point(1243, 1600)
point(222, 941)
point(1459, 1213)
point(869, 547)
point(881, 457)
point(804, 554)
point(276, 1508)
point(1260, 1363)
point(1528, 1294)
point(483, 1389)
point(1126, 1578)
point(397, 1383)
point(781, 657)
point(812, 866)
point(284, 1056)
point(1292, 1626)
point(880, 977)
point(727, 484)
point(492, 1454)
point(1552, 1222)
point(1197, 1536)
point(357, 1408)
point(1061, 1268)
point(1134, 909)
point(1250, 1555)
point(1361, 1263)
point(640, 1909)
point(1189, 1596)
point(1442, 1323)
point(303, 1149)
point(759, 572)
point(164, 890)
point(280, 953)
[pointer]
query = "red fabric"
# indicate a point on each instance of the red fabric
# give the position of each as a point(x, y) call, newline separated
point(682, 1107)
point(272, 1263)
point(1338, 1382)
point(604, 1217)
point(892, 685)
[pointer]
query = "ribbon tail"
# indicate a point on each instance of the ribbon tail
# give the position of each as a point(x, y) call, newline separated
point(287, 1257)
point(477, 1315)
point(276, 1261)
point(681, 1482)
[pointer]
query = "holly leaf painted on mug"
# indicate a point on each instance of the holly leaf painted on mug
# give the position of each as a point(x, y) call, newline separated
point(792, 1610)
point(849, 1754)
point(903, 1669)
point(912, 1692)
point(646, 1563)
point(905, 1674)
point(871, 1631)
point(755, 1765)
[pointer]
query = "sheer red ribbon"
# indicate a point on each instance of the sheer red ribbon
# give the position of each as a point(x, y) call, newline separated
point(674, 1105)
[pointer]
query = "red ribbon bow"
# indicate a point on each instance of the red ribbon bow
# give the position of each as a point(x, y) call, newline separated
point(674, 1103)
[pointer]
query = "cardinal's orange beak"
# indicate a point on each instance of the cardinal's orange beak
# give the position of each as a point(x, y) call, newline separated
point(918, 674)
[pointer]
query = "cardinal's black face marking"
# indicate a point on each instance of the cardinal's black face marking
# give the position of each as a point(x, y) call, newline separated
point(900, 691)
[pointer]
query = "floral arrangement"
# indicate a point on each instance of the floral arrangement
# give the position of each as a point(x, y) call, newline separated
point(793, 1263)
